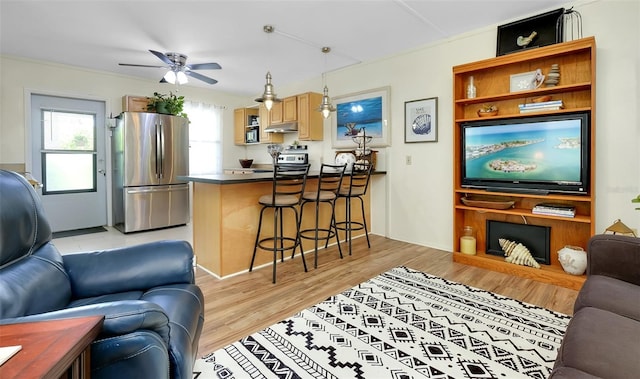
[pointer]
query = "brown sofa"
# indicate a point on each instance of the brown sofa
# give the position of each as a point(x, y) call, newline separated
point(603, 337)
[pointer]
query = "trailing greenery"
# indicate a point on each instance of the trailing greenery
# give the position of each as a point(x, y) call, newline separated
point(167, 104)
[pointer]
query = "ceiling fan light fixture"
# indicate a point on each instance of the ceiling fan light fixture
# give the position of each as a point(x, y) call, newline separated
point(268, 96)
point(170, 77)
point(181, 77)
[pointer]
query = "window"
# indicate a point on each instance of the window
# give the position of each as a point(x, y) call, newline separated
point(68, 152)
point(205, 137)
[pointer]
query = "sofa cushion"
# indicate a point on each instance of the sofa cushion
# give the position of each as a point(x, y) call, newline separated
point(610, 294)
point(602, 344)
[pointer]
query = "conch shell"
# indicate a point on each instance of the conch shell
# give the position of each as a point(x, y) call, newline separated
point(517, 253)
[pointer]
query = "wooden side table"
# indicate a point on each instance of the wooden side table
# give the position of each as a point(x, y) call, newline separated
point(50, 349)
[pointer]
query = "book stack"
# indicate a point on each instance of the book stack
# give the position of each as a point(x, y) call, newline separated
point(561, 210)
point(552, 105)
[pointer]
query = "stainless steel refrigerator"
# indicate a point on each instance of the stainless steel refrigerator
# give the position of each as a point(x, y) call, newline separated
point(149, 150)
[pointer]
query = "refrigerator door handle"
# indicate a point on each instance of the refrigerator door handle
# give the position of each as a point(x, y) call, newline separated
point(159, 189)
point(161, 150)
point(158, 163)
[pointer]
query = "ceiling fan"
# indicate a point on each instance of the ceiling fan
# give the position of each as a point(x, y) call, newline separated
point(179, 69)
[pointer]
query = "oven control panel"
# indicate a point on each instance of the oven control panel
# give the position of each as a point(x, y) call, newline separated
point(293, 158)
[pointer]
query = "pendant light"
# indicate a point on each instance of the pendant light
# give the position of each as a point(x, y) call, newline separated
point(325, 107)
point(268, 96)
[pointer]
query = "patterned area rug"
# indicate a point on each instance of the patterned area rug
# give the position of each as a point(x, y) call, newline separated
point(401, 324)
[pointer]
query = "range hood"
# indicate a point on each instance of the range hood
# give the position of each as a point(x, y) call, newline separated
point(287, 127)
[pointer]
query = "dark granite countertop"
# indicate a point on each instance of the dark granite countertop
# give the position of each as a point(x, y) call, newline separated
point(244, 178)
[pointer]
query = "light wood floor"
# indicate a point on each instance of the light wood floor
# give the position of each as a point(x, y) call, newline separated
point(241, 305)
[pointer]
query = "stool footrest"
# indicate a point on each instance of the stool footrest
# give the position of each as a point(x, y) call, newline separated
point(262, 244)
point(349, 225)
point(323, 234)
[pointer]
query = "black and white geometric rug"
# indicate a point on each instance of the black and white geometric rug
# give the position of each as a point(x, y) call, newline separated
point(400, 324)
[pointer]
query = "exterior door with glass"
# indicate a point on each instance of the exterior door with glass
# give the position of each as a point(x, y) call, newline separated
point(68, 157)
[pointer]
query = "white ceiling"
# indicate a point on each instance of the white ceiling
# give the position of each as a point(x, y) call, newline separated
point(100, 34)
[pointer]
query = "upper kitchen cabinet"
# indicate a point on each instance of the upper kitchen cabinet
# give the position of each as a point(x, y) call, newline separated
point(310, 122)
point(245, 126)
point(264, 123)
point(284, 111)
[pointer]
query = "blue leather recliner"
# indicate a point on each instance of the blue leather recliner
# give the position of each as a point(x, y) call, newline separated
point(153, 310)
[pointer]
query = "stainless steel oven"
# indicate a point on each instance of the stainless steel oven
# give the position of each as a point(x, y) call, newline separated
point(294, 158)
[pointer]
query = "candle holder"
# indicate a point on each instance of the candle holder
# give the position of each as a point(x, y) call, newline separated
point(468, 241)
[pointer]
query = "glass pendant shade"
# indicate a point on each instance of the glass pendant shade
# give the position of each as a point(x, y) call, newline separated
point(268, 97)
point(170, 77)
point(181, 77)
point(173, 76)
point(326, 107)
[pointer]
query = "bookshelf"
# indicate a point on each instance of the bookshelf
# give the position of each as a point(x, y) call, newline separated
point(576, 89)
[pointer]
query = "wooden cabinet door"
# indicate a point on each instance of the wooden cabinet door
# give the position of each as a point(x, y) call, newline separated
point(276, 115)
point(238, 126)
point(264, 123)
point(290, 109)
point(310, 121)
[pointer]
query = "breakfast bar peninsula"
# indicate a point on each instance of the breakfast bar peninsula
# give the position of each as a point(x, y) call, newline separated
point(226, 214)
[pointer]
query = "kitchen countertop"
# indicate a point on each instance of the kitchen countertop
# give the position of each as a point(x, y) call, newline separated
point(245, 178)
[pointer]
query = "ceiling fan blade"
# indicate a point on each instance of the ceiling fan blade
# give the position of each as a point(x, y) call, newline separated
point(204, 66)
point(138, 65)
point(201, 77)
point(162, 57)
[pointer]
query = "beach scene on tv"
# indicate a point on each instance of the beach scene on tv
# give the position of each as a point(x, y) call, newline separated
point(533, 151)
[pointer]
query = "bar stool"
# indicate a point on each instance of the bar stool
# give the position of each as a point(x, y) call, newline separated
point(329, 182)
point(356, 189)
point(288, 186)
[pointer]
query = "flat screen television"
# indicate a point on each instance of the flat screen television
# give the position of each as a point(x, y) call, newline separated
point(538, 154)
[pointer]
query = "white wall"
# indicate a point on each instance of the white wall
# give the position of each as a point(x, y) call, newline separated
point(19, 76)
point(412, 203)
point(420, 196)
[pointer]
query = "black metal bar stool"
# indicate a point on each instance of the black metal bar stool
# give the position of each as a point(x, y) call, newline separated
point(329, 182)
point(288, 186)
point(356, 189)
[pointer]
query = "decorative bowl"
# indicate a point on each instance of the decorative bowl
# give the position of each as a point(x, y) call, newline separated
point(245, 163)
point(487, 114)
point(491, 202)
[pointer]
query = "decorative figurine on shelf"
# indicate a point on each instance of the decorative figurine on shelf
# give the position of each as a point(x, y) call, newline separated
point(525, 41)
point(538, 79)
point(553, 77)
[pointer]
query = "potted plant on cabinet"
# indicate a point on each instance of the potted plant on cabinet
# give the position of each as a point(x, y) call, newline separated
point(167, 104)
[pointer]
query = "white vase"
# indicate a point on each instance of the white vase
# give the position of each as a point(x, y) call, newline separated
point(573, 259)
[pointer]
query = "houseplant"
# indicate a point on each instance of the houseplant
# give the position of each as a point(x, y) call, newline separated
point(167, 104)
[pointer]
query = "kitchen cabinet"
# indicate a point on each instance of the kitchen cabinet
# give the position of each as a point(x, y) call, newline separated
point(576, 88)
point(284, 111)
point(310, 121)
point(264, 123)
point(243, 126)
